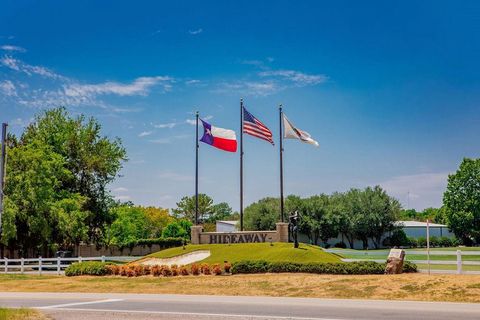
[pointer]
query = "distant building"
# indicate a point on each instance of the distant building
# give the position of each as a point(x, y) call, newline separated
point(226, 226)
point(416, 229)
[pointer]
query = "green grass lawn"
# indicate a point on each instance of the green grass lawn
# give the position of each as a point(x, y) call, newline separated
point(254, 251)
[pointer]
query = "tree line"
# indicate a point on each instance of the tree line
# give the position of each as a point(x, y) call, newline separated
point(358, 214)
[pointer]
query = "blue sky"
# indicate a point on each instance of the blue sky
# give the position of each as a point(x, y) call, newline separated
point(390, 90)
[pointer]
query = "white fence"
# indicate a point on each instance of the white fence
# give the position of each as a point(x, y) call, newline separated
point(457, 259)
point(50, 265)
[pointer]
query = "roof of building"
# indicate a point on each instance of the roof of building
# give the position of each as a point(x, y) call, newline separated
point(233, 223)
point(419, 224)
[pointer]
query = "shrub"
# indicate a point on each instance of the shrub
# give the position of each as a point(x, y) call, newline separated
point(156, 270)
point(227, 266)
point(421, 242)
point(434, 241)
point(123, 270)
point(340, 244)
point(164, 243)
point(361, 267)
point(412, 242)
point(409, 267)
point(113, 269)
point(166, 271)
point(216, 269)
point(92, 268)
point(138, 270)
point(246, 266)
point(184, 271)
point(146, 270)
point(195, 269)
point(175, 270)
point(398, 238)
point(205, 268)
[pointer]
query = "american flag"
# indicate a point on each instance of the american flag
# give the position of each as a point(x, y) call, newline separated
point(255, 127)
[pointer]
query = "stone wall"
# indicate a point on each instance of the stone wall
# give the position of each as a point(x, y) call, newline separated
point(279, 235)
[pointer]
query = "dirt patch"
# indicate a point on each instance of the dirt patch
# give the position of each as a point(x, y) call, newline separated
point(181, 260)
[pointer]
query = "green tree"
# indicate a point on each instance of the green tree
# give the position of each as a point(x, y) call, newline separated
point(262, 215)
point(92, 160)
point(72, 221)
point(175, 230)
point(462, 202)
point(220, 211)
point(33, 188)
point(158, 219)
point(186, 208)
point(130, 225)
point(319, 218)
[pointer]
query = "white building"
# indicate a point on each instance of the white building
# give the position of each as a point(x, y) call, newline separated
point(226, 226)
point(416, 229)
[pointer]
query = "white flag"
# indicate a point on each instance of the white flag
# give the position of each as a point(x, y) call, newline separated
point(290, 132)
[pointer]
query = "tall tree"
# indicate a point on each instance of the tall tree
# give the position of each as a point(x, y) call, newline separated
point(34, 187)
point(92, 159)
point(186, 208)
point(462, 201)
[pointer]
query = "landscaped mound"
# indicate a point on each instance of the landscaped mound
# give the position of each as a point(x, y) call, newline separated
point(277, 251)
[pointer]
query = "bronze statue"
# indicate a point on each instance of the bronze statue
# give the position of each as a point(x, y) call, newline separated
point(293, 226)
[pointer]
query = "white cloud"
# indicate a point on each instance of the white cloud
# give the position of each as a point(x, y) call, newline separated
point(195, 32)
point(12, 48)
point(140, 86)
point(8, 88)
point(20, 66)
point(254, 88)
point(145, 133)
point(419, 191)
point(120, 189)
point(165, 125)
point(193, 81)
point(193, 122)
point(299, 78)
point(72, 93)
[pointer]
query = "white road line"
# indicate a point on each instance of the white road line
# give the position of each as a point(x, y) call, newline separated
point(79, 303)
point(243, 316)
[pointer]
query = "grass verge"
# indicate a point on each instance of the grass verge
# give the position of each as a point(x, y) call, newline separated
point(420, 287)
point(21, 314)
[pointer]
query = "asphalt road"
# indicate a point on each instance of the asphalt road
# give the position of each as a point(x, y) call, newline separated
point(92, 306)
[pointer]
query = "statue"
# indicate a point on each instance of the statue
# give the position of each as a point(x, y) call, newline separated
point(293, 226)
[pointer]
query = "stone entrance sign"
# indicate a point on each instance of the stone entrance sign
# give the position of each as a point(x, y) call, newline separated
point(395, 261)
point(279, 235)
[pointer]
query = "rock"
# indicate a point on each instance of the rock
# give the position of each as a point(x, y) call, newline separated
point(395, 261)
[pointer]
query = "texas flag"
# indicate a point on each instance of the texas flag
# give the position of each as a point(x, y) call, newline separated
point(220, 138)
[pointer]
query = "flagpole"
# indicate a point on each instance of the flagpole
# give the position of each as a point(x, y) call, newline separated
point(196, 168)
point(3, 161)
point(241, 164)
point(281, 164)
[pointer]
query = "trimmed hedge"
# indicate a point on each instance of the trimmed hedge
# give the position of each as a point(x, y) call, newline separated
point(164, 243)
point(92, 268)
point(361, 267)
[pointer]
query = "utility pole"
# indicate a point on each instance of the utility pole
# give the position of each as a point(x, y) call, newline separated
point(3, 161)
